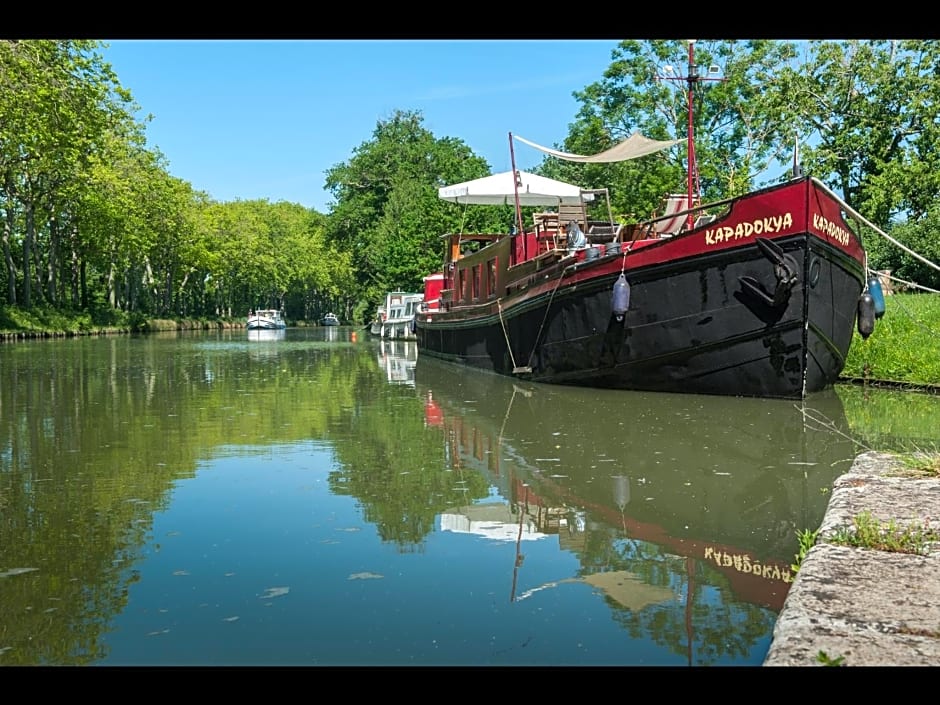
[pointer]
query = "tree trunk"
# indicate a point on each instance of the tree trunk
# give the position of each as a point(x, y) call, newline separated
point(83, 284)
point(8, 256)
point(52, 264)
point(77, 270)
point(27, 254)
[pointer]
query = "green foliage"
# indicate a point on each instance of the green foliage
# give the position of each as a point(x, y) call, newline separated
point(137, 322)
point(14, 319)
point(807, 540)
point(918, 236)
point(61, 105)
point(868, 532)
point(864, 112)
point(827, 660)
point(386, 214)
point(736, 124)
point(921, 463)
point(50, 321)
point(96, 220)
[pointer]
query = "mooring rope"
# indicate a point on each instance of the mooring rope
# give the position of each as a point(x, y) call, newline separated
point(561, 275)
point(506, 335)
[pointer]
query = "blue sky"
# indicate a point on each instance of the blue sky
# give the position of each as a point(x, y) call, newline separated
point(265, 119)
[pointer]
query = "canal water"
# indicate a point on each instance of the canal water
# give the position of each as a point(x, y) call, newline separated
point(319, 497)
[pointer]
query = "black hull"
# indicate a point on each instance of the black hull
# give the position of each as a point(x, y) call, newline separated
point(704, 324)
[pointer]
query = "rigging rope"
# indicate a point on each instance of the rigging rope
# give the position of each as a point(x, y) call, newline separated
point(561, 275)
point(877, 229)
point(902, 281)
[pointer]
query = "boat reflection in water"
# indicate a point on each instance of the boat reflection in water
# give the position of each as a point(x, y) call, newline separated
point(266, 335)
point(660, 496)
point(398, 358)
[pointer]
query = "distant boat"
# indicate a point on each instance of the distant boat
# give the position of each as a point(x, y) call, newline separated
point(396, 318)
point(266, 319)
point(330, 319)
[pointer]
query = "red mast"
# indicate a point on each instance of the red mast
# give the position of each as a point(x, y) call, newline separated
point(691, 78)
point(693, 168)
point(517, 184)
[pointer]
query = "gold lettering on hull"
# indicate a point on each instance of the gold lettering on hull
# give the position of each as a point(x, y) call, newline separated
point(742, 563)
point(760, 226)
point(831, 230)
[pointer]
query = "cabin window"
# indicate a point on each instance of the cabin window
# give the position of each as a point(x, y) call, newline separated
point(491, 278)
point(477, 270)
point(462, 285)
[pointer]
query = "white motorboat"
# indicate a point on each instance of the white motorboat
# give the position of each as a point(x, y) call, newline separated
point(266, 319)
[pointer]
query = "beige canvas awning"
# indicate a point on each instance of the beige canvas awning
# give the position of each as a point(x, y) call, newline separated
point(636, 145)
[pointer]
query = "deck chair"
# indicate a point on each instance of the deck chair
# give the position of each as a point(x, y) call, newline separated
point(576, 212)
point(675, 203)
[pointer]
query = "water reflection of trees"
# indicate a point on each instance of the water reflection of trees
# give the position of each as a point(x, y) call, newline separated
point(395, 469)
point(94, 434)
point(712, 625)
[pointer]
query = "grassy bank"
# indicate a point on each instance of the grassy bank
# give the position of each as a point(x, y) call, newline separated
point(39, 322)
point(904, 349)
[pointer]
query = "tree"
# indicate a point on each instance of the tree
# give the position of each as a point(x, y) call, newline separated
point(386, 213)
point(866, 111)
point(737, 138)
point(58, 101)
point(319, 277)
point(919, 236)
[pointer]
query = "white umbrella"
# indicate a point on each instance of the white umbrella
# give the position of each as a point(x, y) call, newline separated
point(499, 189)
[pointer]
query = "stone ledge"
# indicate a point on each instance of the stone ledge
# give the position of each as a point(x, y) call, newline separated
point(868, 607)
